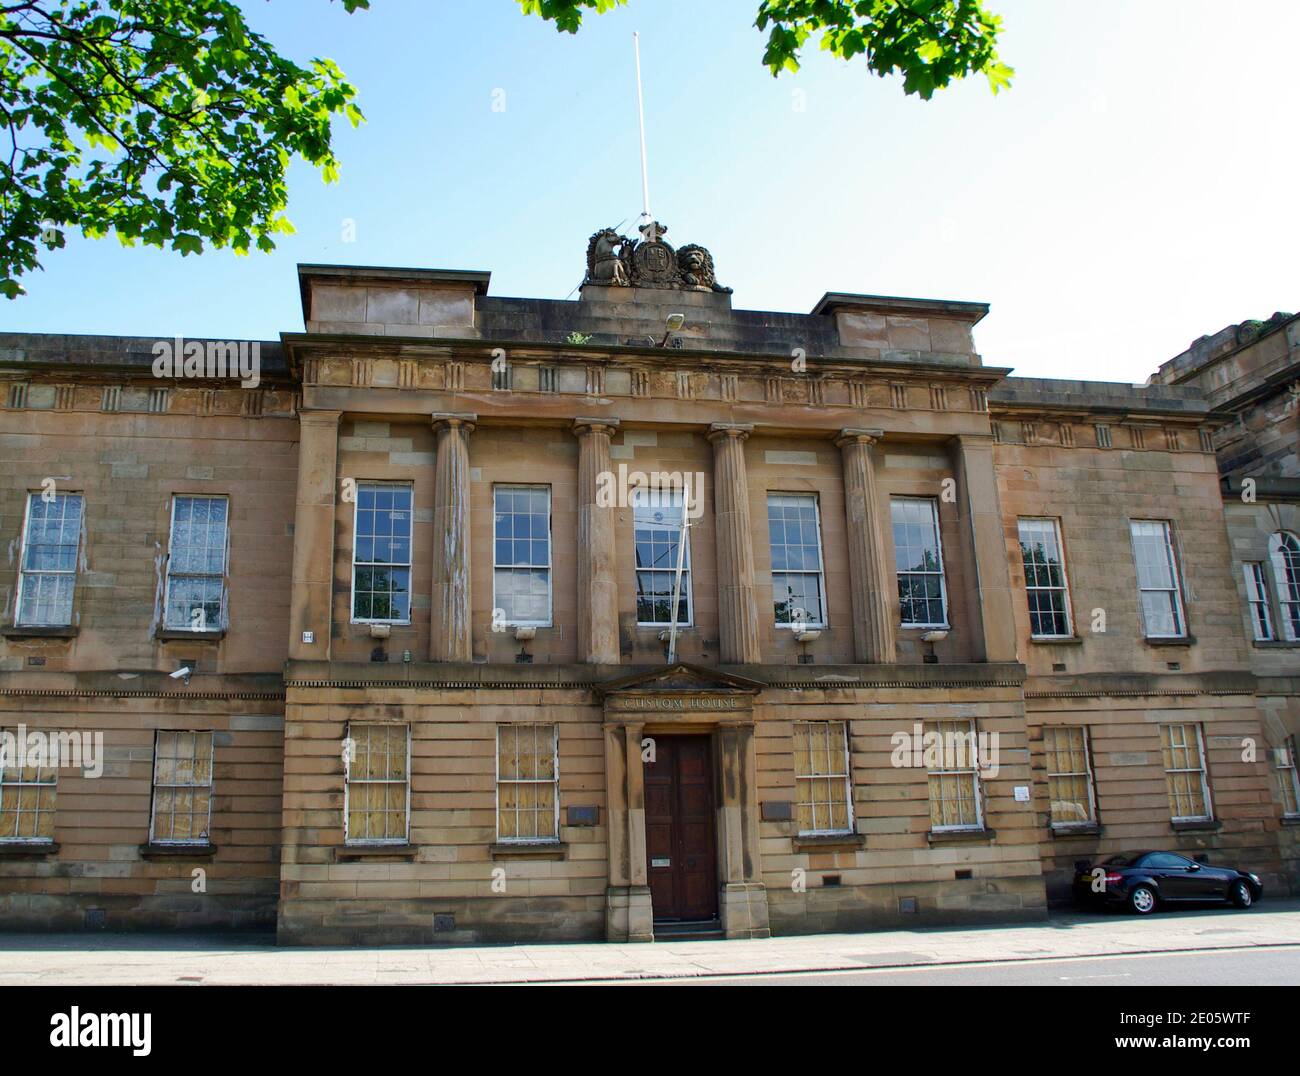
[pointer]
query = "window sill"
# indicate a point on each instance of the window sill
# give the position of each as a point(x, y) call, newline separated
point(169, 634)
point(349, 852)
point(29, 849)
point(823, 842)
point(1274, 644)
point(529, 850)
point(1291, 820)
point(1177, 640)
point(1079, 829)
point(1197, 825)
point(180, 851)
point(1064, 640)
point(945, 836)
point(63, 631)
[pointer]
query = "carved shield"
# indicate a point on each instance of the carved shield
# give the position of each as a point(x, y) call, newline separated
point(654, 265)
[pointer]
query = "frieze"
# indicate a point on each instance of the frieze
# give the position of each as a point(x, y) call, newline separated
point(678, 703)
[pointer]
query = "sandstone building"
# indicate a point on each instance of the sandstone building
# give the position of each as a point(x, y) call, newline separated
point(404, 643)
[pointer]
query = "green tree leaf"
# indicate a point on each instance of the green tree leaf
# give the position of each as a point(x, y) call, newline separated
point(157, 121)
point(931, 43)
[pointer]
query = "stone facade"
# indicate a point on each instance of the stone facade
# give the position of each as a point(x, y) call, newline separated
point(418, 381)
point(1250, 374)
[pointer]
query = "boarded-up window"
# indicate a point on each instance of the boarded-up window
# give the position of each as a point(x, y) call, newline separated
point(528, 778)
point(1069, 775)
point(27, 791)
point(1284, 772)
point(821, 767)
point(953, 761)
point(1184, 759)
point(182, 788)
point(376, 793)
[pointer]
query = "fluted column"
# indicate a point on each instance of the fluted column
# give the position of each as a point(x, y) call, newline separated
point(737, 612)
point(450, 637)
point(872, 585)
point(597, 578)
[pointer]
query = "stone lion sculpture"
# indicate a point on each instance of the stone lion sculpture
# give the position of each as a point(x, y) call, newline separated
point(696, 264)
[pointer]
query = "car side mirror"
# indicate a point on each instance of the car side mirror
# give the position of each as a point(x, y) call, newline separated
point(1194, 867)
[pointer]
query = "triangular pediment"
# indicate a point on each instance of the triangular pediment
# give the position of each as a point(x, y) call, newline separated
point(681, 678)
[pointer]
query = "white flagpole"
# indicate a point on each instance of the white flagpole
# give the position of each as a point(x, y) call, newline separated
point(677, 576)
point(640, 114)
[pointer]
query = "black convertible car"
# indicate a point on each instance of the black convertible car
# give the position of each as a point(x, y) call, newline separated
point(1145, 880)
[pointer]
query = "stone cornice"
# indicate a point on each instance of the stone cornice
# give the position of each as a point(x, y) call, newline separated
point(1143, 685)
point(956, 309)
point(94, 693)
point(477, 349)
point(502, 677)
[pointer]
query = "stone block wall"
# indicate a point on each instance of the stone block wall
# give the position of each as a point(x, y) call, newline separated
point(100, 875)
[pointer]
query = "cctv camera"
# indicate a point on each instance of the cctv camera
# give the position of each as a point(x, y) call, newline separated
point(183, 673)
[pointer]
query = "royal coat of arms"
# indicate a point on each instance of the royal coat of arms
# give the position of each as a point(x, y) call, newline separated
point(614, 260)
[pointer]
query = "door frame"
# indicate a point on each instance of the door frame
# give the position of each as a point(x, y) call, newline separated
point(679, 734)
point(670, 700)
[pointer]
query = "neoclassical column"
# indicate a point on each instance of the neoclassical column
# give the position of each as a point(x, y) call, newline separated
point(313, 536)
point(870, 582)
point(597, 578)
point(737, 611)
point(450, 637)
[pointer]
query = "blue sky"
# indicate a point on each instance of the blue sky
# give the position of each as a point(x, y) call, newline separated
point(1131, 193)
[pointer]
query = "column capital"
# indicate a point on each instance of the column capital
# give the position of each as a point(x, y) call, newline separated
point(319, 418)
point(583, 426)
point(453, 420)
point(854, 436)
point(972, 440)
point(735, 430)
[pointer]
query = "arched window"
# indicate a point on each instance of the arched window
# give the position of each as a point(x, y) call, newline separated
point(1284, 551)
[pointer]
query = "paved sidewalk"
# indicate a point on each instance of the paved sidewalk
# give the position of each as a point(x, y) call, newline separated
point(155, 959)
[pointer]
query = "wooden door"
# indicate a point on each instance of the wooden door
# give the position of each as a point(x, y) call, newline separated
point(680, 824)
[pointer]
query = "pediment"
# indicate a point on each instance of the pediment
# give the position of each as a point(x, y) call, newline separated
point(681, 678)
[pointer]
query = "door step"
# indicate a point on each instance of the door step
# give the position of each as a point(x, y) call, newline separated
point(680, 930)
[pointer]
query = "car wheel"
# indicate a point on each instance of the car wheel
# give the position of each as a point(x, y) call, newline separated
point(1142, 900)
point(1240, 894)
